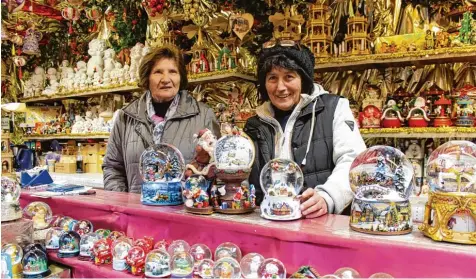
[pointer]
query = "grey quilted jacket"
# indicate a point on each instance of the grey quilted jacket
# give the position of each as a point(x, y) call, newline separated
point(132, 134)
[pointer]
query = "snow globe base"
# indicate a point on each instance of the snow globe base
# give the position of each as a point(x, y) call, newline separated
point(84, 258)
point(68, 255)
point(465, 121)
point(380, 217)
point(280, 208)
point(201, 211)
point(11, 211)
point(37, 275)
point(162, 193)
point(231, 202)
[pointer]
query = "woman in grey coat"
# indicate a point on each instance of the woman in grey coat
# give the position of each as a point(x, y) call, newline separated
point(165, 113)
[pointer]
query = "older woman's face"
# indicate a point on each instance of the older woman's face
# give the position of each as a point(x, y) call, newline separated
point(284, 88)
point(164, 80)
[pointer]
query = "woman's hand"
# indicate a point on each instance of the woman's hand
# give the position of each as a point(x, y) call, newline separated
point(313, 204)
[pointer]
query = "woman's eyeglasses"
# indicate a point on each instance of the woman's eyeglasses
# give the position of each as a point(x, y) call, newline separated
point(283, 43)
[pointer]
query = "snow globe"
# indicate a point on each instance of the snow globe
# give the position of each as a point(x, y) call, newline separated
point(178, 246)
point(196, 196)
point(450, 212)
point(146, 243)
point(52, 238)
point(250, 264)
point(157, 264)
point(347, 273)
point(136, 260)
point(228, 249)
point(86, 246)
point(205, 268)
point(83, 227)
point(35, 264)
point(161, 167)
point(102, 251)
point(114, 235)
point(103, 232)
point(281, 181)
point(199, 253)
point(272, 268)
point(120, 250)
point(10, 200)
point(381, 275)
point(15, 255)
point(65, 222)
point(69, 245)
point(39, 213)
point(162, 244)
point(381, 179)
point(227, 268)
point(234, 156)
point(34, 246)
point(181, 265)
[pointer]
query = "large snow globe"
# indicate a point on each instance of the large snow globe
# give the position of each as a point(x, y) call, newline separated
point(40, 213)
point(161, 167)
point(157, 264)
point(451, 174)
point(234, 156)
point(120, 248)
point(182, 265)
point(249, 265)
point(10, 200)
point(69, 245)
point(281, 181)
point(35, 264)
point(227, 268)
point(86, 245)
point(272, 268)
point(83, 227)
point(381, 178)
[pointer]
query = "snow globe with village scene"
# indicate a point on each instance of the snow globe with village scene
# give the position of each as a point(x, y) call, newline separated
point(35, 263)
point(161, 167)
point(281, 181)
point(450, 213)
point(381, 178)
point(232, 193)
point(157, 264)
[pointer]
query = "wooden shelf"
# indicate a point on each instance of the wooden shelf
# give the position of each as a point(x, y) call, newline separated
point(222, 77)
point(421, 133)
point(386, 60)
point(67, 137)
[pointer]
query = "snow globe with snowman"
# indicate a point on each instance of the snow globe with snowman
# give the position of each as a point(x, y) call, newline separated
point(161, 166)
point(281, 181)
point(381, 178)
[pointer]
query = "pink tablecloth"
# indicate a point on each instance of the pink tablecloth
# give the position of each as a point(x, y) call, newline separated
point(325, 243)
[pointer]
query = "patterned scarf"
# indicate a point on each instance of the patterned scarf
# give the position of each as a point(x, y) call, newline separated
point(157, 121)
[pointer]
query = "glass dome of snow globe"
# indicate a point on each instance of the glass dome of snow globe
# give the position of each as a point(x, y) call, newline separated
point(200, 252)
point(228, 249)
point(181, 265)
point(157, 264)
point(40, 213)
point(452, 167)
point(178, 246)
point(161, 167)
point(227, 268)
point(136, 260)
point(205, 269)
point(65, 222)
point(10, 190)
point(86, 245)
point(14, 251)
point(281, 181)
point(83, 227)
point(120, 249)
point(34, 246)
point(249, 265)
point(147, 243)
point(104, 232)
point(162, 244)
point(35, 264)
point(114, 235)
point(195, 193)
point(272, 268)
point(69, 244)
point(347, 273)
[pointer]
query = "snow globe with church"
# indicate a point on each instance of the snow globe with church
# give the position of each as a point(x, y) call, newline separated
point(381, 178)
point(161, 166)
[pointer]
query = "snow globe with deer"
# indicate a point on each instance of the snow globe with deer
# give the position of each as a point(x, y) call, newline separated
point(232, 193)
point(450, 214)
point(161, 167)
point(381, 178)
point(281, 181)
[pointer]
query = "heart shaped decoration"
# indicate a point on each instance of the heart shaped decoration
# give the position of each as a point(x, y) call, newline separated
point(241, 24)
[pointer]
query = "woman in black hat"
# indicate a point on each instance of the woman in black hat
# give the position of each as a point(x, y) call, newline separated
point(300, 121)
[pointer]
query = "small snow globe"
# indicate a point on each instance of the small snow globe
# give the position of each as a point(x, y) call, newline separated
point(102, 251)
point(114, 235)
point(196, 196)
point(10, 200)
point(162, 244)
point(120, 249)
point(228, 249)
point(199, 253)
point(14, 253)
point(65, 222)
point(227, 268)
point(52, 238)
point(104, 232)
point(272, 268)
point(234, 156)
point(83, 227)
point(39, 213)
point(136, 260)
point(147, 243)
point(281, 181)
point(35, 264)
point(451, 174)
point(157, 264)
point(381, 178)
point(86, 246)
point(182, 265)
point(347, 273)
point(249, 265)
point(381, 275)
point(69, 245)
point(161, 167)
point(178, 246)
point(205, 269)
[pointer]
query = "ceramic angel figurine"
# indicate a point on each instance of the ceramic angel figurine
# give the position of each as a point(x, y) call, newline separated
point(64, 69)
point(96, 62)
point(28, 89)
point(136, 55)
point(52, 88)
point(38, 80)
point(125, 73)
point(80, 79)
point(106, 78)
point(97, 79)
point(116, 73)
point(68, 75)
point(70, 81)
point(78, 126)
point(109, 55)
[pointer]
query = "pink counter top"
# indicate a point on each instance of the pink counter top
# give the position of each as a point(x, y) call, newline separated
point(326, 243)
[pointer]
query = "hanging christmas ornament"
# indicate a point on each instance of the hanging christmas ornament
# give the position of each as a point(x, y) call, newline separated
point(241, 24)
point(94, 13)
point(17, 40)
point(71, 14)
point(31, 42)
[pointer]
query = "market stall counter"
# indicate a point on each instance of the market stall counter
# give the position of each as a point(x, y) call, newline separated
point(326, 243)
